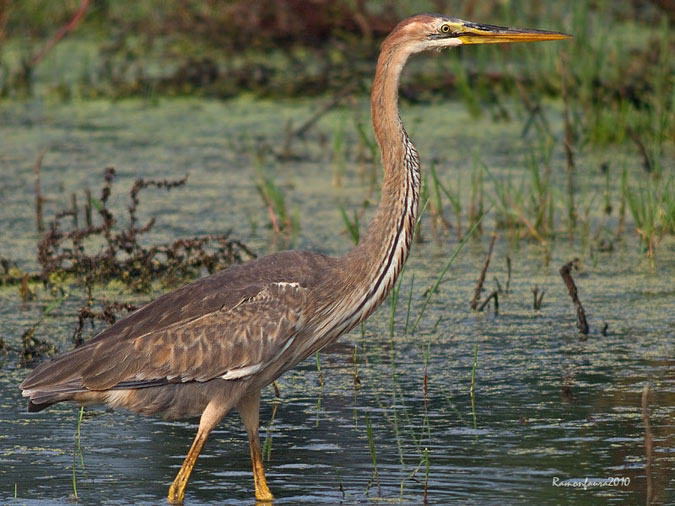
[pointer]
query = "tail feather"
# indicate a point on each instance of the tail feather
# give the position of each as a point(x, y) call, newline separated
point(45, 396)
point(67, 378)
point(35, 408)
point(55, 380)
point(44, 403)
point(58, 370)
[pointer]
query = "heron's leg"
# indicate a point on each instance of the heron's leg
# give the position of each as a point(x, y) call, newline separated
point(249, 410)
point(213, 413)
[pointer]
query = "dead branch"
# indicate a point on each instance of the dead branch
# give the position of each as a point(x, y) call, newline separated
point(538, 298)
point(494, 295)
point(108, 314)
point(565, 273)
point(481, 278)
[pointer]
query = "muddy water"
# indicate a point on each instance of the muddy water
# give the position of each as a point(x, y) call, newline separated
point(548, 407)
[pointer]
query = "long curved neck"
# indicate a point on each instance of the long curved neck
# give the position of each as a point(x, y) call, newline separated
point(373, 266)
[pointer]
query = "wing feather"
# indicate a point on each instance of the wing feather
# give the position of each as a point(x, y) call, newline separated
point(231, 343)
point(228, 325)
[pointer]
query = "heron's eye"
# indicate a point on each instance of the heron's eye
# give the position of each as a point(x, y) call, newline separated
point(445, 29)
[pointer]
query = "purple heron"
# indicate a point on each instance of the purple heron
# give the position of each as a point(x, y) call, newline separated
point(215, 343)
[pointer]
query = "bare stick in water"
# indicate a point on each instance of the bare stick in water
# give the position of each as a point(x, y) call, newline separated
point(537, 298)
point(494, 295)
point(565, 272)
point(481, 278)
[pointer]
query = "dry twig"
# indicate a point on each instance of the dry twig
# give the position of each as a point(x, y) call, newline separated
point(481, 278)
point(565, 272)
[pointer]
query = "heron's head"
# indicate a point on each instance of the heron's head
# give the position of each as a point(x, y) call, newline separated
point(425, 32)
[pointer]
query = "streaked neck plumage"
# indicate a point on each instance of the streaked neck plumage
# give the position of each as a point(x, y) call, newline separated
point(373, 266)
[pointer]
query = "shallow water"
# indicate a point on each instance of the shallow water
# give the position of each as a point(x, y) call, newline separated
point(547, 405)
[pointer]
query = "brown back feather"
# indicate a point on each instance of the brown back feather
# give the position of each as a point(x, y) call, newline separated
point(197, 332)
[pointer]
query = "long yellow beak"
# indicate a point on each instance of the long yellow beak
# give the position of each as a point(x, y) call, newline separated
point(474, 33)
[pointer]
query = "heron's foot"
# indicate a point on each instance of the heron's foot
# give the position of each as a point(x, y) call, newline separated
point(263, 494)
point(262, 491)
point(177, 491)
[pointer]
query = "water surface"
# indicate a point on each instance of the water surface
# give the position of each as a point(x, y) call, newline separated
point(547, 404)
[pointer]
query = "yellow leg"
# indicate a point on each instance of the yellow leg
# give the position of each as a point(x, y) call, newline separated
point(262, 492)
point(177, 489)
point(249, 410)
point(213, 413)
